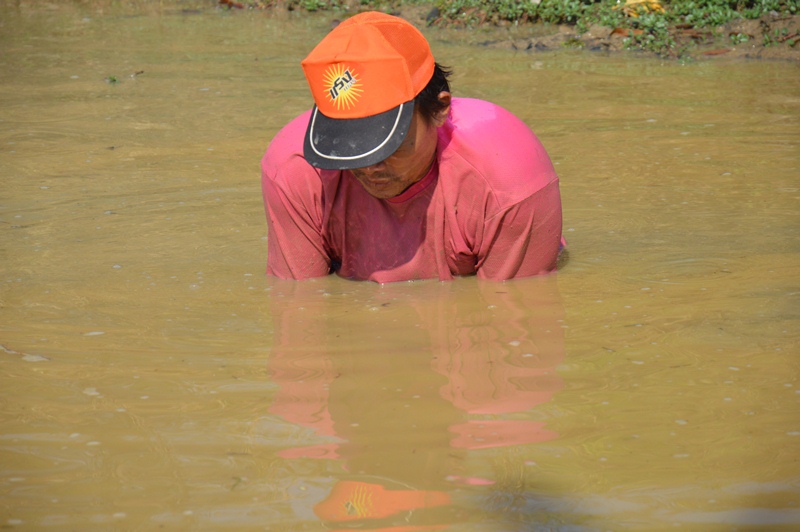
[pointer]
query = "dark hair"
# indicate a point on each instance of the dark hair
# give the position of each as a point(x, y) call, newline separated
point(428, 101)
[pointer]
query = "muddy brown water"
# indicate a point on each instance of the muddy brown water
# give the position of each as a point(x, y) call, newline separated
point(152, 376)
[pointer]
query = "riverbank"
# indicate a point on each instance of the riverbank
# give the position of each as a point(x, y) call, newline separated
point(767, 37)
point(773, 35)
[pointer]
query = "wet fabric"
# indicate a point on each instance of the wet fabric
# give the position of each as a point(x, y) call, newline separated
point(489, 206)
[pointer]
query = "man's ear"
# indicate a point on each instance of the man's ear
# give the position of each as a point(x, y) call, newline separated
point(441, 116)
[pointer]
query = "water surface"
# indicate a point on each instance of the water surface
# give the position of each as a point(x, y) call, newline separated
point(150, 374)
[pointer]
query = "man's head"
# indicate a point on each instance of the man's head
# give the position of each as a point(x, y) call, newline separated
point(379, 97)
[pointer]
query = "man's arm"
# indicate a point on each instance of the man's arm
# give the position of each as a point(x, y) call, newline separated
point(523, 240)
point(293, 201)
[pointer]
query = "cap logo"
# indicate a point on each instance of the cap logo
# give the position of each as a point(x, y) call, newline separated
point(343, 86)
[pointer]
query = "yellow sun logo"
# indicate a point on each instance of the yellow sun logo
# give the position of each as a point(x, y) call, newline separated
point(343, 86)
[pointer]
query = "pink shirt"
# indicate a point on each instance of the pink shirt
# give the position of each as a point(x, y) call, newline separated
point(490, 206)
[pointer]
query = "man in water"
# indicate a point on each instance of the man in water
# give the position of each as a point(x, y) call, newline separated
point(388, 178)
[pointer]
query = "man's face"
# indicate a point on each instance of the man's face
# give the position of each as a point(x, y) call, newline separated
point(406, 166)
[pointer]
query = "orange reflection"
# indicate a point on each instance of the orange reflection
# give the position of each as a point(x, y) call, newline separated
point(351, 500)
point(399, 381)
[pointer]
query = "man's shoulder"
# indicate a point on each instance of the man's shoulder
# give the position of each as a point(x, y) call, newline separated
point(489, 126)
point(472, 112)
point(284, 168)
point(286, 144)
point(487, 142)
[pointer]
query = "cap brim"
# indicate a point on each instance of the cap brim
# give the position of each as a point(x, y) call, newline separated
point(342, 144)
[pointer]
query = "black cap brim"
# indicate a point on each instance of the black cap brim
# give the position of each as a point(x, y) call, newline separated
point(342, 144)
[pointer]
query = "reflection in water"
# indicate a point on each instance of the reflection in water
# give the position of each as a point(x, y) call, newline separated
point(135, 391)
point(401, 393)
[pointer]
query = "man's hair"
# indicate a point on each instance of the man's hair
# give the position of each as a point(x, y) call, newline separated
point(428, 101)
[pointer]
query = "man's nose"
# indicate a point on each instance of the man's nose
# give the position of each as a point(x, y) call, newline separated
point(377, 167)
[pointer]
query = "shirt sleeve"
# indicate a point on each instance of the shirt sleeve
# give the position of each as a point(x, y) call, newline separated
point(293, 199)
point(524, 239)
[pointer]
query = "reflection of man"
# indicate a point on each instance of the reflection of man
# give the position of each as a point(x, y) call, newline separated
point(388, 178)
point(398, 406)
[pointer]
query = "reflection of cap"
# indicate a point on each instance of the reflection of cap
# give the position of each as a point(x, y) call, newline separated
point(364, 76)
point(353, 500)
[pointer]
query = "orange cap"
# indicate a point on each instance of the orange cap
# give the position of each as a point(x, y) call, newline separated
point(364, 76)
point(368, 64)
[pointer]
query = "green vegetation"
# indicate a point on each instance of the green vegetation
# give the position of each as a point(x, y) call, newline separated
point(650, 24)
point(739, 38)
point(665, 27)
point(699, 13)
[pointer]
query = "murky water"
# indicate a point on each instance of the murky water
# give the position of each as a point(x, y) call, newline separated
point(151, 375)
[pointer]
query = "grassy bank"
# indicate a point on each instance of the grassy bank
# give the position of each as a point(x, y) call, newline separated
point(647, 24)
point(666, 27)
